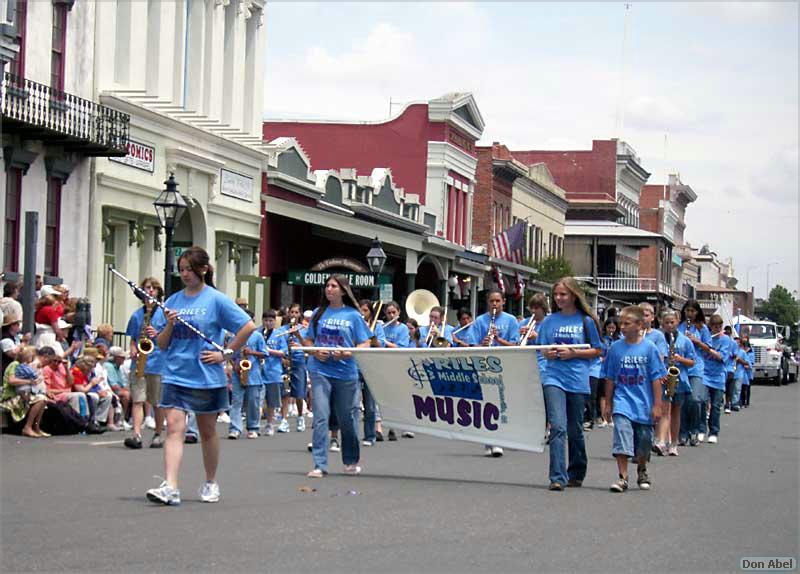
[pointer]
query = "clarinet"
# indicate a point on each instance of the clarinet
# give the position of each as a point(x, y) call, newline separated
point(492, 327)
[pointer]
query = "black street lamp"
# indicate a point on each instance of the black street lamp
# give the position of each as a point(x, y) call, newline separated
point(169, 206)
point(376, 258)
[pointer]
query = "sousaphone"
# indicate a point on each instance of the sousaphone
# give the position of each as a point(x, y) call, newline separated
point(419, 304)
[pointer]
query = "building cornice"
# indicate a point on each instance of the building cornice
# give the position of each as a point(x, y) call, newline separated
point(541, 193)
point(376, 214)
point(295, 185)
point(225, 211)
point(446, 155)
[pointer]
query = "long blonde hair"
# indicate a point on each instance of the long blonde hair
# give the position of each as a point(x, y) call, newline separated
point(571, 285)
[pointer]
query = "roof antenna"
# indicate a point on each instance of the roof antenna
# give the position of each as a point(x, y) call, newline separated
point(619, 122)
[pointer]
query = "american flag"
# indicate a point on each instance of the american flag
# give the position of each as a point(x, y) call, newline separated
point(510, 244)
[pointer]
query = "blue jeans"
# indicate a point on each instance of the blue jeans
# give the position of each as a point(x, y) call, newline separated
point(696, 407)
point(565, 412)
point(737, 392)
point(717, 397)
point(370, 410)
point(341, 395)
point(250, 396)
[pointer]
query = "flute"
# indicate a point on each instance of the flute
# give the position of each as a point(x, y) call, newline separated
point(141, 294)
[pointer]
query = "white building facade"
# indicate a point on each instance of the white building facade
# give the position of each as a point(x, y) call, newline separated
point(190, 75)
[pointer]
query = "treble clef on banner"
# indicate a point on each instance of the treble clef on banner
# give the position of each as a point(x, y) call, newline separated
point(417, 376)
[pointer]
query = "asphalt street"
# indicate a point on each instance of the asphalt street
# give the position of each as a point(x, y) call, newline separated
point(76, 504)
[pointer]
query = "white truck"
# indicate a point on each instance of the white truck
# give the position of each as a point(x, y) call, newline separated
point(765, 339)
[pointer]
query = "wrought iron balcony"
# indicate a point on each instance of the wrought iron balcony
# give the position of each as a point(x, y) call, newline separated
point(36, 111)
point(619, 284)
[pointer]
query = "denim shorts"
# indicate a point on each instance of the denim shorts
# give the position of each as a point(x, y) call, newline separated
point(273, 392)
point(678, 398)
point(199, 401)
point(630, 438)
point(297, 387)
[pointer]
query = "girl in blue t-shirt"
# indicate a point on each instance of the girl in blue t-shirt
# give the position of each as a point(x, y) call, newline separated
point(693, 326)
point(373, 431)
point(750, 356)
point(334, 374)
point(610, 334)
point(715, 374)
point(193, 378)
point(566, 379)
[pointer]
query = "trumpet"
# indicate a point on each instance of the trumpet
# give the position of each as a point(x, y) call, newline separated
point(673, 373)
point(145, 345)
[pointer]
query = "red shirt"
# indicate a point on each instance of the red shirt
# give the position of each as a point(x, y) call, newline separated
point(49, 314)
point(78, 378)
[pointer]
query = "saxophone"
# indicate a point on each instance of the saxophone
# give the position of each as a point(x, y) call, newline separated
point(673, 373)
point(244, 370)
point(145, 345)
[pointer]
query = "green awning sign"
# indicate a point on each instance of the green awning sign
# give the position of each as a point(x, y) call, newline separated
point(357, 280)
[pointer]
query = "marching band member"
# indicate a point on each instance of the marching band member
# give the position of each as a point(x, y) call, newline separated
point(633, 370)
point(277, 349)
point(714, 373)
point(334, 374)
point(146, 389)
point(372, 426)
point(194, 378)
point(441, 328)
point(539, 308)
point(395, 331)
point(298, 377)
point(693, 326)
point(246, 389)
point(566, 379)
point(464, 320)
point(397, 335)
point(744, 341)
point(495, 328)
point(413, 333)
point(657, 338)
point(668, 428)
point(610, 334)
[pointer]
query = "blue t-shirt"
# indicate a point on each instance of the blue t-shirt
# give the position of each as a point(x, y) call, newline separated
point(272, 370)
point(704, 335)
point(298, 357)
point(379, 333)
point(657, 338)
point(714, 370)
point(633, 367)
point(740, 372)
point(751, 360)
point(342, 327)
point(571, 375)
point(255, 342)
point(155, 360)
point(397, 333)
point(212, 313)
point(448, 334)
point(26, 372)
point(505, 323)
point(730, 355)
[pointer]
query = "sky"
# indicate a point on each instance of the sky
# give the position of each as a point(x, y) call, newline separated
point(705, 90)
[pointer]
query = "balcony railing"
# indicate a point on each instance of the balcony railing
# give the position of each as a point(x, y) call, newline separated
point(630, 285)
point(36, 111)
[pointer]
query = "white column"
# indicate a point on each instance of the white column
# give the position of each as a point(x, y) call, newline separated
point(214, 60)
point(255, 127)
point(195, 56)
point(160, 48)
point(234, 63)
point(137, 57)
point(179, 49)
point(105, 45)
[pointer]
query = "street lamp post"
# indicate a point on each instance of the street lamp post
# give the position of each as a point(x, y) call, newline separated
point(169, 206)
point(768, 266)
point(376, 259)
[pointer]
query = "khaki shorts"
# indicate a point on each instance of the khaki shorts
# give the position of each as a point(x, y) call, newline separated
point(146, 388)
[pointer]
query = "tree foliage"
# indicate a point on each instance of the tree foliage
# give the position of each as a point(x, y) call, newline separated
point(552, 269)
point(781, 307)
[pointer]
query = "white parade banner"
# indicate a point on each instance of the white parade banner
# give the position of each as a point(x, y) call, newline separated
point(487, 395)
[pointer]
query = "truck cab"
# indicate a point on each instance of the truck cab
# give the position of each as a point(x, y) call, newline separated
point(765, 340)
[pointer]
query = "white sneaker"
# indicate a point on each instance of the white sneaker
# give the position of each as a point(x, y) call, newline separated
point(164, 494)
point(209, 492)
point(408, 434)
point(602, 424)
point(727, 411)
point(284, 426)
point(352, 469)
point(269, 431)
point(713, 439)
point(126, 426)
point(701, 437)
point(487, 451)
point(149, 422)
point(301, 424)
point(497, 452)
point(223, 418)
point(309, 414)
point(335, 445)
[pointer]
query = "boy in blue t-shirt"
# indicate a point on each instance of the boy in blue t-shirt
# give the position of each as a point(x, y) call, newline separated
point(633, 370)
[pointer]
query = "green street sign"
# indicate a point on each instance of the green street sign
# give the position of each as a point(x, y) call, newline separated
point(357, 280)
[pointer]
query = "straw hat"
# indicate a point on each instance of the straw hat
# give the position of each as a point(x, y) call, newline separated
point(10, 319)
